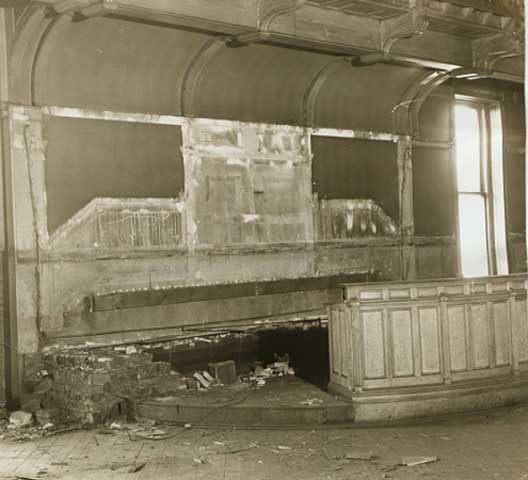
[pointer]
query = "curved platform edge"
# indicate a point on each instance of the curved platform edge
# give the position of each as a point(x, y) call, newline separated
point(393, 404)
point(240, 416)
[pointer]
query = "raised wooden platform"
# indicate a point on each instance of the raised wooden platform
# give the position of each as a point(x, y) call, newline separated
point(283, 401)
point(413, 349)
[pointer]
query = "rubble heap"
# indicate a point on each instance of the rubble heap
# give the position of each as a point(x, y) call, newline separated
point(93, 386)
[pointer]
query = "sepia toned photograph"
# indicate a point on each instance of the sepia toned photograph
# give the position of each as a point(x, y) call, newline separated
point(263, 240)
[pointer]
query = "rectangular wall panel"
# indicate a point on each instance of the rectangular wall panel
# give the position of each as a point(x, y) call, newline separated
point(429, 340)
point(336, 350)
point(501, 329)
point(344, 341)
point(373, 341)
point(521, 329)
point(457, 338)
point(402, 343)
point(480, 335)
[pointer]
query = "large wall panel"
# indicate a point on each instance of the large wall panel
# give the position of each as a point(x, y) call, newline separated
point(86, 159)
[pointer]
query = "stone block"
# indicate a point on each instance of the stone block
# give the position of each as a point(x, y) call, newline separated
point(224, 372)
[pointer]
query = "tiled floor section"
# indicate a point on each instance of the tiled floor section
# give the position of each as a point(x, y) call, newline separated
point(480, 447)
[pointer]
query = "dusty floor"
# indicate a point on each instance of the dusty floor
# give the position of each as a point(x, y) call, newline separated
point(491, 445)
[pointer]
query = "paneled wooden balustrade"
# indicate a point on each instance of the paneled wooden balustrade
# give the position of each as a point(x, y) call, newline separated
point(430, 336)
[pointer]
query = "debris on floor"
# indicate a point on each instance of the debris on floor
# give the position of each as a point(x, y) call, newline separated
point(279, 368)
point(224, 372)
point(310, 402)
point(93, 385)
point(202, 381)
point(412, 461)
point(358, 455)
point(20, 419)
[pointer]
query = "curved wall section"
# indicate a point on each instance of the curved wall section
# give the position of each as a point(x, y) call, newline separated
point(363, 97)
point(256, 83)
point(112, 64)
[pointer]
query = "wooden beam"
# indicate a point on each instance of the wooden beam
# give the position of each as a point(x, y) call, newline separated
point(298, 25)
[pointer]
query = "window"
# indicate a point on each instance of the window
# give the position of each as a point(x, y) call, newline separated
point(480, 191)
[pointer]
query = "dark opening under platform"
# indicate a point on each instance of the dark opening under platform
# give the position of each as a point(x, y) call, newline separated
point(283, 401)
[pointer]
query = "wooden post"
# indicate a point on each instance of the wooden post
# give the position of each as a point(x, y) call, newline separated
point(405, 182)
point(12, 364)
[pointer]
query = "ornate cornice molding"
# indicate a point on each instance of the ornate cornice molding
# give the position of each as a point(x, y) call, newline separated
point(407, 25)
point(489, 50)
point(86, 8)
point(268, 10)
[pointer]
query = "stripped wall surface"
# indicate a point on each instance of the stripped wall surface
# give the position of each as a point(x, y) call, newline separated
point(244, 209)
point(246, 212)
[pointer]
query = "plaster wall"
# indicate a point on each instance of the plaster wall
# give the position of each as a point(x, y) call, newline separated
point(247, 213)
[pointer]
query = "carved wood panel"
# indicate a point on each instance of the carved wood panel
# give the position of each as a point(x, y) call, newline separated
point(433, 332)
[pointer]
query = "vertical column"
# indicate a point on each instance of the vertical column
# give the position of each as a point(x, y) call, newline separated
point(357, 346)
point(526, 159)
point(514, 331)
point(405, 183)
point(446, 348)
point(7, 226)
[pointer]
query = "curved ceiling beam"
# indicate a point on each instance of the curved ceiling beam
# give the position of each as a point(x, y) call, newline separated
point(194, 71)
point(32, 27)
point(309, 99)
point(405, 113)
point(42, 53)
point(268, 10)
point(408, 25)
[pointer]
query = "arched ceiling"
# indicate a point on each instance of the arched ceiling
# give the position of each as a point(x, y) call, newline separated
point(108, 63)
point(112, 64)
point(256, 83)
point(364, 97)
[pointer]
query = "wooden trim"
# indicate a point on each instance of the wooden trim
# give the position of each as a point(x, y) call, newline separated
point(12, 367)
point(108, 115)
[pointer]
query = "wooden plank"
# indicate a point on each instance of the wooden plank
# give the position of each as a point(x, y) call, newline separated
point(429, 339)
point(402, 343)
point(172, 296)
point(373, 344)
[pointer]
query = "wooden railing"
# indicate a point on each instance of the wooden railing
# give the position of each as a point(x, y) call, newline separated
point(446, 332)
point(356, 218)
point(122, 224)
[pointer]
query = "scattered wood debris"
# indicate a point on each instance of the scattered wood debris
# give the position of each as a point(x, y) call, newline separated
point(359, 455)
point(412, 461)
point(136, 468)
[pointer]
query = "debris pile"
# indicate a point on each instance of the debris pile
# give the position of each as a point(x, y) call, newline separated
point(95, 385)
point(279, 368)
point(91, 386)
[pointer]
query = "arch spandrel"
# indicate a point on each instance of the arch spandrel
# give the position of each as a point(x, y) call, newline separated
point(113, 64)
point(363, 97)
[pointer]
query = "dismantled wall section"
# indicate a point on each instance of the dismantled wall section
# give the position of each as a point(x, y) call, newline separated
point(245, 213)
point(143, 206)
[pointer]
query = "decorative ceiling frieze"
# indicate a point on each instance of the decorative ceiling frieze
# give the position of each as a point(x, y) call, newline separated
point(465, 18)
point(442, 35)
point(489, 50)
point(85, 8)
point(414, 22)
point(268, 10)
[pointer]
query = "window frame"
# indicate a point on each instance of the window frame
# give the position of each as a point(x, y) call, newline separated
point(485, 107)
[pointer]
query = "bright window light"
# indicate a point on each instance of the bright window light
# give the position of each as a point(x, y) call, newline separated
point(497, 176)
point(481, 217)
point(467, 148)
point(473, 245)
